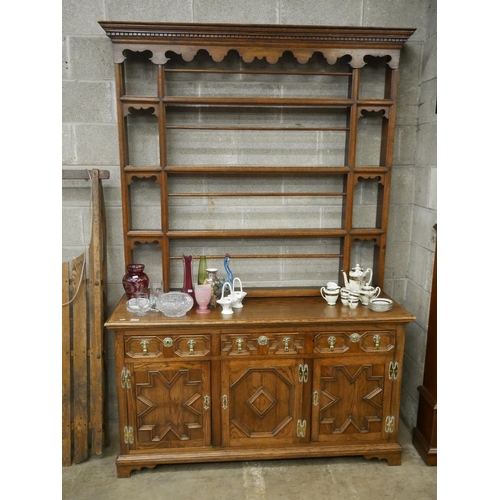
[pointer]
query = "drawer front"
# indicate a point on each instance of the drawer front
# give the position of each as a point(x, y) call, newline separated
point(166, 346)
point(371, 341)
point(272, 344)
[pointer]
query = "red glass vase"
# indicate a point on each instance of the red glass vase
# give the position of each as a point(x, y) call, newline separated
point(136, 280)
point(187, 287)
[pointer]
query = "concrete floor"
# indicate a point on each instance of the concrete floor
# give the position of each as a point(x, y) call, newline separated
point(351, 478)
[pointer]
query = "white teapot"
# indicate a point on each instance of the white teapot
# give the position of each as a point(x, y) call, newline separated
point(357, 278)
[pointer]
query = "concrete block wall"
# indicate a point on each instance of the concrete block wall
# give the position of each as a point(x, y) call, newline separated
point(90, 140)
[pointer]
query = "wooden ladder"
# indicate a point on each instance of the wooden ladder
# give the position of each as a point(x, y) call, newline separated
point(83, 350)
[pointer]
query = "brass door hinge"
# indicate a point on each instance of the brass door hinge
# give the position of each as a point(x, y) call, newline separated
point(126, 384)
point(389, 424)
point(128, 435)
point(393, 370)
point(301, 428)
point(303, 373)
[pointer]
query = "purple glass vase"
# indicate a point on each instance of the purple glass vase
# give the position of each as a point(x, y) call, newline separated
point(136, 280)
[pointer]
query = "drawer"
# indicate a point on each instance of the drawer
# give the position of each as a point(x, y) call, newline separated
point(359, 341)
point(166, 346)
point(272, 344)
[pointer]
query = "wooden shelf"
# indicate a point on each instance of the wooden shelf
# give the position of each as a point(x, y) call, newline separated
point(184, 55)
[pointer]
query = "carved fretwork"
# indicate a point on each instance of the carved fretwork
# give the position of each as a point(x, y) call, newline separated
point(338, 411)
point(251, 42)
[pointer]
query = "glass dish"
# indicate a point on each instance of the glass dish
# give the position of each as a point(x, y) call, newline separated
point(174, 304)
point(138, 306)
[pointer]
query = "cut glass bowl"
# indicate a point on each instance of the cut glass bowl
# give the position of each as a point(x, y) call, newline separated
point(174, 304)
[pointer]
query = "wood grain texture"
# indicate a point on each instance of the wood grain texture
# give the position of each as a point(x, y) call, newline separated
point(96, 296)
point(66, 367)
point(274, 380)
point(80, 361)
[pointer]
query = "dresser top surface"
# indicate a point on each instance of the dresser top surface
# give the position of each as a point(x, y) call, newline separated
point(263, 311)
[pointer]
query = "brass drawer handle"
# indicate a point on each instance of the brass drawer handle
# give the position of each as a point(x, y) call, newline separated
point(331, 343)
point(239, 343)
point(145, 345)
point(376, 340)
point(286, 343)
point(191, 343)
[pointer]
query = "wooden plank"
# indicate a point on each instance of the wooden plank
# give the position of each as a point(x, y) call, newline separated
point(80, 370)
point(83, 174)
point(66, 368)
point(96, 316)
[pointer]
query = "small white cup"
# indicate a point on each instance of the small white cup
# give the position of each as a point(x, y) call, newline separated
point(344, 296)
point(353, 301)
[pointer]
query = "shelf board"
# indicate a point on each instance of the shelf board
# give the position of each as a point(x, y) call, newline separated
point(228, 101)
point(257, 233)
point(257, 169)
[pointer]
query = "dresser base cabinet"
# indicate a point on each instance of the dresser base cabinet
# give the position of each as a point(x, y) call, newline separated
point(281, 378)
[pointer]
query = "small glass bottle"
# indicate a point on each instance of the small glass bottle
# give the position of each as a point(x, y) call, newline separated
point(202, 270)
point(215, 279)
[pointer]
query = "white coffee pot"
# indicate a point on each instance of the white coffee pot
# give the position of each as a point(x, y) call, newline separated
point(357, 277)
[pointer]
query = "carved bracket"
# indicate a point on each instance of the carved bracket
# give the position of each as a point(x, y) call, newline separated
point(365, 176)
point(139, 176)
point(138, 240)
point(373, 109)
point(368, 237)
point(152, 109)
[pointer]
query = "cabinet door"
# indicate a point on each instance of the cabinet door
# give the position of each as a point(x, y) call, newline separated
point(261, 402)
point(169, 404)
point(351, 400)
